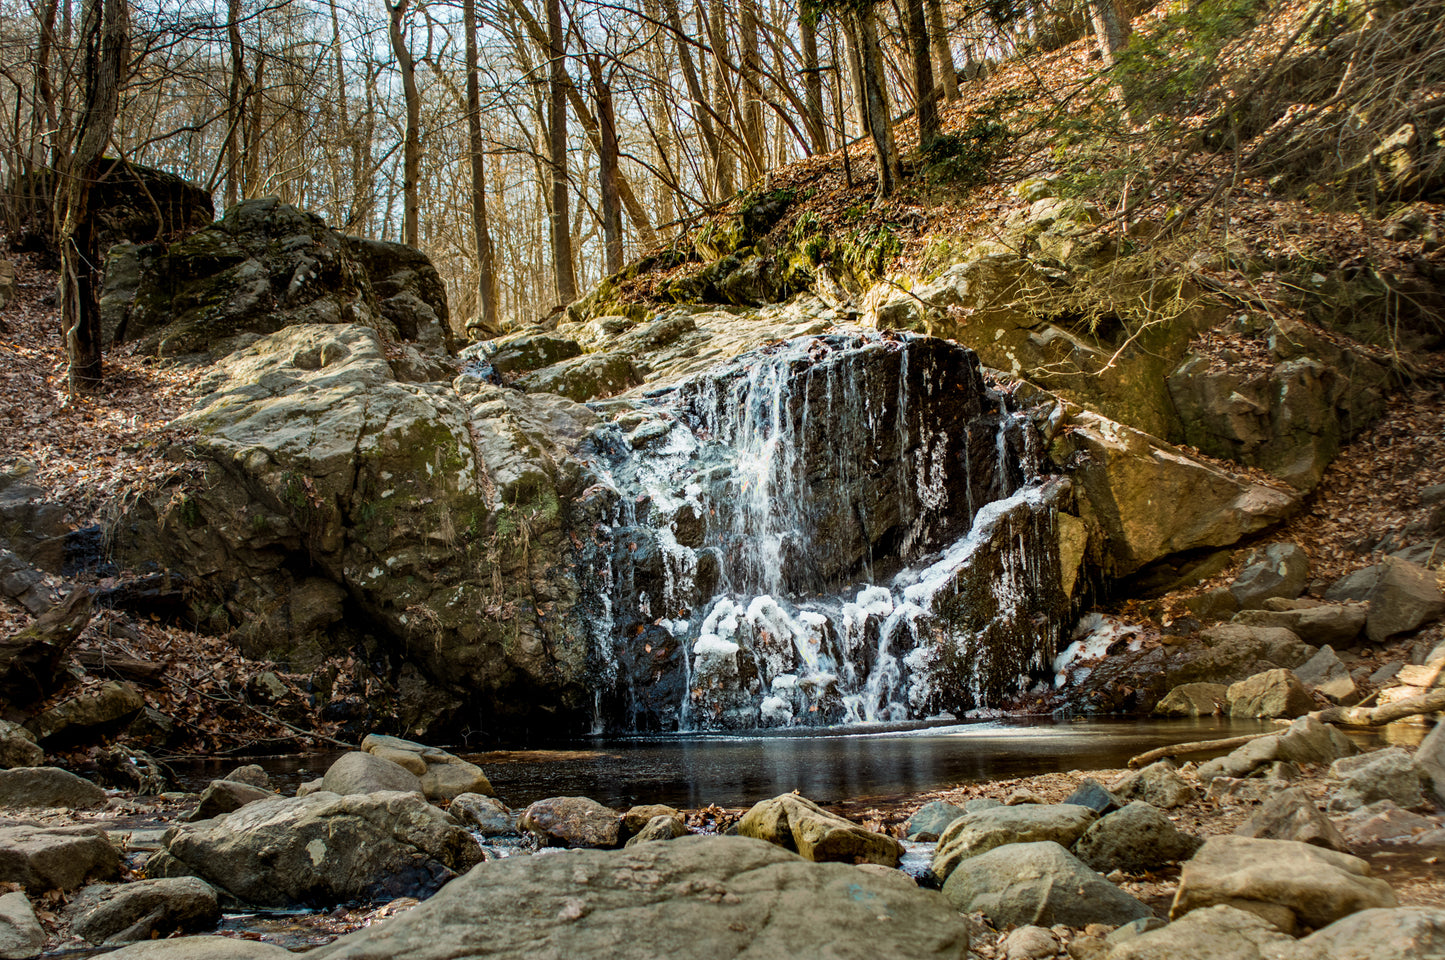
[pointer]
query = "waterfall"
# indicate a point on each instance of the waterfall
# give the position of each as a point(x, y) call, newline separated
point(835, 529)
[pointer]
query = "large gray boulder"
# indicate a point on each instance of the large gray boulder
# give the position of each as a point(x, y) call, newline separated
point(1388, 774)
point(1328, 674)
point(1136, 838)
point(1158, 784)
point(1430, 761)
point(1213, 933)
point(977, 833)
point(142, 910)
point(1274, 693)
point(1278, 570)
point(18, 747)
point(572, 822)
point(1291, 815)
point(202, 948)
point(1193, 700)
point(1400, 933)
point(798, 824)
point(56, 858)
point(48, 787)
point(1283, 881)
point(694, 898)
point(930, 820)
point(321, 849)
point(358, 772)
point(1306, 741)
point(21, 934)
point(1404, 596)
point(88, 715)
point(224, 796)
point(1039, 883)
point(1333, 624)
point(443, 776)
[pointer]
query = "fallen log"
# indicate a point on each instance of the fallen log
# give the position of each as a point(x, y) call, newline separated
point(1431, 702)
point(1195, 746)
point(30, 660)
point(139, 671)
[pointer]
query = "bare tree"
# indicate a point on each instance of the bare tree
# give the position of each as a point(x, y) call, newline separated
point(411, 149)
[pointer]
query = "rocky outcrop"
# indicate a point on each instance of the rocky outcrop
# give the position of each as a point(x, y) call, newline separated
point(56, 858)
point(694, 898)
point(48, 787)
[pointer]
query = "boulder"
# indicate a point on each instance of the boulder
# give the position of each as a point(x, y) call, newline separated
point(1029, 943)
point(1384, 822)
point(592, 376)
point(1388, 774)
point(1400, 933)
point(1128, 478)
point(1281, 880)
point(1193, 700)
point(930, 820)
point(1334, 624)
point(1306, 741)
point(18, 747)
point(524, 352)
point(572, 822)
point(1291, 815)
point(252, 774)
point(1214, 933)
point(21, 935)
point(977, 833)
point(48, 787)
point(56, 858)
point(1158, 784)
point(1326, 673)
point(443, 775)
point(488, 816)
point(1430, 761)
point(224, 796)
point(142, 910)
point(321, 849)
point(1090, 793)
point(1404, 597)
point(1274, 693)
point(694, 898)
point(637, 817)
point(797, 823)
point(661, 827)
point(1278, 570)
point(1134, 839)
point(358, 772)
point(1038, 883)
point(89, 715)
point(202, 948)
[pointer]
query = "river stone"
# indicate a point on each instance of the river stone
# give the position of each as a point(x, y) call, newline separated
point(89, 715)
point(1388, 774)
point(930, 820)
point(1134, 839)
point(978, 833)
point(1316, 886)
point(321, 849)
point(252, 774)
point(1213, 933)
point(50, 858)
point(1029, 943)
point(1090, 793)
point(1384, 822)
point(798, 824)
point(48, 787)
point(695, 898)
point(1192, 700)
point(1401, 933)
point(572, 822)
point(1336, 624)
point(21, 935)
point(1306, 741)
point(1274, 693)
point(1430, 761)
point(1405, 596)
point(637, 817)
point(201, 948)
point(224, 796)
point(1040, 883)
point(443, 775)
point(365, 773)
point(1326, 673)
point(1291, 815)
point(661, 827)
point(1279, 570)
point(489, 816)
point(1158, 784)
point(144, 909)
point(18, 747)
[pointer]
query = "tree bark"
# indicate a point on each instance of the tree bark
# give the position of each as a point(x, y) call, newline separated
point(926, 108)
point(105, 35)
point(813, 83)
point(235, 101)
point(610, 202)
point(879, 116)
point(562, 268)
point(942, 50)
point(752, 93)
point(411, 148)
point(488, 322)
point(1111, 30)
point(718, 36)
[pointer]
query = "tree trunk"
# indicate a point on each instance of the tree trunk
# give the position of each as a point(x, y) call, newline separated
point(694, 87)
point(105, 34)
point(942, 51)
point(1111, 30)
point(926, 109)
point(813, 83)
point(488, 322)
point(411, 147)
point(879, 117)
point(718, 37)
point(235, 102)
point(562, 267)
point(610, 202)
point(752, 93)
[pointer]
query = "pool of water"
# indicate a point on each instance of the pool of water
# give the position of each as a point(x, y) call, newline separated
point(828, 766)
